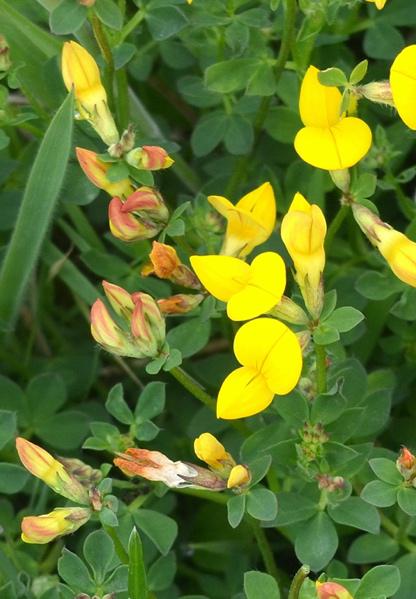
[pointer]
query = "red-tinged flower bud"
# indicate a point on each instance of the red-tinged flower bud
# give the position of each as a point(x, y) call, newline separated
point(126, 226)
point(149, 158)
point(120, 299)
point(406, 464)
point(332, 590)
point(147, 203)
point(167, 265)
point(86, 475)
point(180, 303)
point(87, 3)
point(96, 171)
point(46, 528)
point(107, 333)
point(147, 325)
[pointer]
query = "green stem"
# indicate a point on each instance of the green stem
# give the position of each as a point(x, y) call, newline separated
point(105, 49)
point(264, 548)
point(193, 387)
point(118, 546)
point(131, 25)
point(335, 225)
point(241, 170)
point(320, 368)
point(395, 532)
point(123, 105)
point(297, 582)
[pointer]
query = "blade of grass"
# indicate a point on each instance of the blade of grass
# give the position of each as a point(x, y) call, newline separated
point(137, 582)
point(39, 200)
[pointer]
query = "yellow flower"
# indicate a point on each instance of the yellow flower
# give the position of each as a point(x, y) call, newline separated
point(399, 251)
point(46, 528)
point(403, 85)
point(329, 140)
point(96, 171)
point(303, 232)
point(249, 290)
point(80, 73)
point(239, 476)
point(250, 222)
point(271, 360)
point(41, 464)
point(208, 449)
point(379, 3)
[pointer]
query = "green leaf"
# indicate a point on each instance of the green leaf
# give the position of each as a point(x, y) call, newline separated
point(383, 41)
point(190, 337)
point(386, 471)
point(378, 286)
point(381, 581)
point(162, 572)
point(258, 585)
point(74, 572)
point(239, 136)
point(327, 407)
point(333, 77)
point(109, 13)
point(8, 424)
point(359, 72)
point(67, 17)
point(151, 401)
point(344, 319)
point(117, 406)
point(65, 430)
point(259, 468)
point(282, 124)
point(98, 550)
point(108, 517)
point(46, 393)
point(369, 548)
point(406, 498)
point(146, 431)
point(262, 81)
point(208, 133)
point(165, 22)
point(293, 408)
point(236, 507)
point(160, 529)
point(316, 542)
point(262, 503)
point(12, 478)
point(137, 581)
point(45, 181)
point(356, 513)
point(325, 334)
point(379, 493)
point(230, 75)
point(364, 187)
point(407, 569)
point(294, 507)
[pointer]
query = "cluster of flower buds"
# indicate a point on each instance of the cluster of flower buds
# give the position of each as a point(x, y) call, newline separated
point(155, 466)
point(142, 215)
point(330, 483)
point(96, 170)
point(313, 438)
point(331, 590)
point(406, 465)
point(142, 331)
point(62, 478)
point(208, 449)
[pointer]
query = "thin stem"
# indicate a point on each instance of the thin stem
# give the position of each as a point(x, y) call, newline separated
point(264, 548)
point(297, 582)
point(105, 49)
point(118, 546)
point(335, 225)
point(193, 387)
point(395, 532)
point(123, 102)
point(320, 368)
point(131, 25)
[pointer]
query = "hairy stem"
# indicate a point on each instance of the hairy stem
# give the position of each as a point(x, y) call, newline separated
point(193, 387)
point(297, 582)
point(320, 368)
point(264, 548)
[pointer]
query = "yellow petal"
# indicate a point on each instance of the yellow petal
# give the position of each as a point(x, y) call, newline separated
point(243, 393)
point(261, 204)
point(264, 288)
point(283, 366)
point(319, 105)
point(379, 3)
point(400, 253)
point(339, 147)
point(238, 477)
point(79, 68)
point(222, 276)
point(403, 85)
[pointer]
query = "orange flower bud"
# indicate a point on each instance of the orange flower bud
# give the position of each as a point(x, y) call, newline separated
point(149, 158)
point(331, 590)
point(147, 203)
point(167, 265)
point(41, 464)
point(126, 226)
point(96, 171)
point(406, 464)
point(46, 528)
point(180, 303)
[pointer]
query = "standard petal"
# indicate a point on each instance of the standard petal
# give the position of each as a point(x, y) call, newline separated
point(261, 204)
point(222, 276)
point(403, 85)
point(264, 288)
point(243, 393)
point(283, 365)
point(319, 105)
point(256, 339)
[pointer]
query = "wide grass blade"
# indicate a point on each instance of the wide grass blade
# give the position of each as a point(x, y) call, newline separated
point(39, 200)
point(137, 574)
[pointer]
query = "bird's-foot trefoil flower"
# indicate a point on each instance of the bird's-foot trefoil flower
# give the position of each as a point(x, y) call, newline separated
point(331, 590)
point(80, 73)
point(149, 158)
point(141, 332)
point(379, 3)
point(249, 223)
point(403, 85)
point(239, 477)
point(303, 232)
point(155, 466)
point(48, 527)
point(141, 216)
point(397, 249)
point(249, 290)
point(166, 264)
point(181, 303)
point(329, 140)
point(271, 360)
point(96, 171)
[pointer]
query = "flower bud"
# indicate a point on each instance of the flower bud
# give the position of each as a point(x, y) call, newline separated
point(147, 325)
point(120, 299)
point(330, 483)
point(41, 464)
point(166, 264)
point(149, 158)
point(125, 144)
point(96, 171)
point(87, 3)
point(80, 73)
point(377, 91)
point(208, 449)
point(289, 311)
point(5, 62)
point(147, 203)
point(406, 464)
point(128, 227)
point(180, 303)
point(59, 522)
point(86, 475)
point(341, 179)
point(239, 477)
point(331, 590)
point(107, 333)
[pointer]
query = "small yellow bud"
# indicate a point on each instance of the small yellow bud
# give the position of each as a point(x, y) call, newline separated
point(239, 477)
point(59, 522)
point(96, 171)
point(208, 449)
